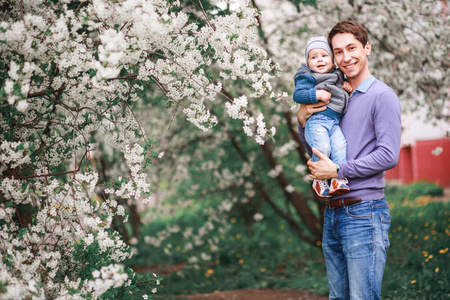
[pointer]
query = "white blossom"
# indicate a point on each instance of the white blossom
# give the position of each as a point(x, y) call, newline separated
point(437, 151)
point(258, 217)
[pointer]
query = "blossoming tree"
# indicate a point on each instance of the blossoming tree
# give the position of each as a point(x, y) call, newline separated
point(71, 72)
point(84, 86)
point(409, 53)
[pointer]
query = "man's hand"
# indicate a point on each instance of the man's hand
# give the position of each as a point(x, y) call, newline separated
point(346, 86)
point(323, 96)
point(322, 169)
point(306, 110)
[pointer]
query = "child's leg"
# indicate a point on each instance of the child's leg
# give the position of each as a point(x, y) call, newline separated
point(338, 154)
point(317, 131)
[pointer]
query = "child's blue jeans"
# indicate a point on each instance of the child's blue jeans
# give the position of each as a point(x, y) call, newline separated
point(324, 134)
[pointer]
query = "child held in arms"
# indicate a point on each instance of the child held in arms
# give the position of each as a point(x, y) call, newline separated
point(321, 81)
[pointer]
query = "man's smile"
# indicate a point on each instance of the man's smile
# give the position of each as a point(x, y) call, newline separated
point(350, 66)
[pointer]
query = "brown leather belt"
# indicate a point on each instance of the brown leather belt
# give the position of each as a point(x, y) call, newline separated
point(337, 203)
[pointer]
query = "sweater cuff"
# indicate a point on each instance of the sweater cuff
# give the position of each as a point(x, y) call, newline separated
point(312, 95)
point(340, 173)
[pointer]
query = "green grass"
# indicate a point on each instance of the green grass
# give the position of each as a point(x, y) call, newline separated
point(269, 255)
point(418, 265)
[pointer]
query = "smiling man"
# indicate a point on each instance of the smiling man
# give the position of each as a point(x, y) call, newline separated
point(356, 226)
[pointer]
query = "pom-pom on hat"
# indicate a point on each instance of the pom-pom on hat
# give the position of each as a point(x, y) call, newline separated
point(317, 42)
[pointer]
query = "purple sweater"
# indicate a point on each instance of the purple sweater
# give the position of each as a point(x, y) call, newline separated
point(372, 127)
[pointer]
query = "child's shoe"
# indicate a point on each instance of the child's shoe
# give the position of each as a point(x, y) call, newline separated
point(322, 188)
point(339, 186)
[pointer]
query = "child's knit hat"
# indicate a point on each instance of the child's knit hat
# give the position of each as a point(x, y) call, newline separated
point(317, 42)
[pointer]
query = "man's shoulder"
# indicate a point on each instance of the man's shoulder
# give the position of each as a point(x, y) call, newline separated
point(383, 96)
point(379, 87)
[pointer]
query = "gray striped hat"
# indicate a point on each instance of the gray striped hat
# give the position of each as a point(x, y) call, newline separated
point(317, 42)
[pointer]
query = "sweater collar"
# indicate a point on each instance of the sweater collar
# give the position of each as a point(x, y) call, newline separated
point(364, 86)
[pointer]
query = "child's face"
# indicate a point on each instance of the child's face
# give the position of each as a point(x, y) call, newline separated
point(320, 61)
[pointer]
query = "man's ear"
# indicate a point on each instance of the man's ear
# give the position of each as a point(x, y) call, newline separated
point(368, 48)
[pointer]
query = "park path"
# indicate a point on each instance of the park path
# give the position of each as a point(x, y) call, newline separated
point(242, 294)
point(253, 294)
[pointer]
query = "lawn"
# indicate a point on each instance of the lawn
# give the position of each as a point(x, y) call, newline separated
point(267, 254)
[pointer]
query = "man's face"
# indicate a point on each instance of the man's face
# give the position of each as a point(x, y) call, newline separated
point(351, 56)
point(320, 61)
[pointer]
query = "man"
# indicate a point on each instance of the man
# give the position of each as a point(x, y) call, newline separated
point(356, 225)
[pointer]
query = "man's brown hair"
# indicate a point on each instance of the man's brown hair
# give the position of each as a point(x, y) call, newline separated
point(354, 28)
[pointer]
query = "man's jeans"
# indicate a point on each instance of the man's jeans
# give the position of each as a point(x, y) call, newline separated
point(324, 134)
point(355, 242)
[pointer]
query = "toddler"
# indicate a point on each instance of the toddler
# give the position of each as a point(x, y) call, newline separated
point(321, 81)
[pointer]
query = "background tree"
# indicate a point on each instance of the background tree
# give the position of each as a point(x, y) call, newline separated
point(245, 176)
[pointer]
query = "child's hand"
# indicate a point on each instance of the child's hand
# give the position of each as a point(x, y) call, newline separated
point(323, 96)
point(346, 86)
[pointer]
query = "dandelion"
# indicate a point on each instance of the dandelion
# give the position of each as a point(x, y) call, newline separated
point(413, 281)
point(437, 269)
point(443, 251)
point(263, 269)
point(241, 261)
